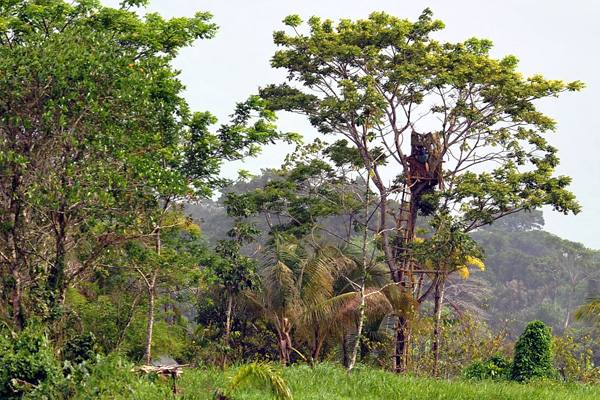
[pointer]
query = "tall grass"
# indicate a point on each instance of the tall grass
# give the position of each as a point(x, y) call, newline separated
point(325, 381)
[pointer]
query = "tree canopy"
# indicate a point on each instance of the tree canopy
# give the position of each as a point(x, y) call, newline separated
point(459, 130)
point(96, 137)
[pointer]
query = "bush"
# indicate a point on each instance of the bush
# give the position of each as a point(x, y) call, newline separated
point(533, 353)
point(574, 356)
point(80, 348)
point(477, 370)
point(27, 364)
point(495, 367)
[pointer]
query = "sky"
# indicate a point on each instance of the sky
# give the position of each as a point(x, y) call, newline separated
point(555, 38)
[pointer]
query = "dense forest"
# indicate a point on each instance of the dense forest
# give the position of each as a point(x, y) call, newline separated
point(383, 243)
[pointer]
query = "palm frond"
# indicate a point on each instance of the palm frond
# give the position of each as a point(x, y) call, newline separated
point(590, 311)
point(279, 285)
point(402, 302)
point(261, 373)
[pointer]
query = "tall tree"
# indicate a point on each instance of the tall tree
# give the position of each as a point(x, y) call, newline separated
point(441, 114)
point(80, 84)
point(97, 143)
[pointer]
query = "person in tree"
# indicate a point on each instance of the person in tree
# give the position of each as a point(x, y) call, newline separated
point(419, 167)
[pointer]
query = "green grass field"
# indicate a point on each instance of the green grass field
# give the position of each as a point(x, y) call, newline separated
point(327, 382)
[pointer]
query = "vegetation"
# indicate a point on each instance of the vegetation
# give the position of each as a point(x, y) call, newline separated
point(533, 353)
point(305, 272)
point(378, 87)
point(310, 383)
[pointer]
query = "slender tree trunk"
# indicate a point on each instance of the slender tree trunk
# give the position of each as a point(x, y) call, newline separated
point(361, 319)
point(569, 301)
point(285, 341)
point(151, 296)
point(439, 298)
point(227, 325)
point(13, 243)
point(57, 278)
point(150, 327)
point(363, 278)
point(315, 346)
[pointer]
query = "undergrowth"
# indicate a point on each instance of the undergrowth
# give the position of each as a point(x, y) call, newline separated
point(114, 380)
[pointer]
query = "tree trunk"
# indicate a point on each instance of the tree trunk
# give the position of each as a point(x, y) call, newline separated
point(227, 325)
point(402, 348)
point(361, 319)
point(284, 347)
point(569, 301)
point(57, 278)
point(363, 278)
point(151, 295)
point(13, 243)
point(400, 361)
point(440, 286)
point(150, 327)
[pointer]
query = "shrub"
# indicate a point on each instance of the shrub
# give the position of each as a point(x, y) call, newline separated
point(533, 353)
point(499, 367)
point(477, 370)
point(80, 348)
point(495, 367)
point(27, 364)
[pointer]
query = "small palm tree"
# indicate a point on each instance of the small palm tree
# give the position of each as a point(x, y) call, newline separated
point(298, 290)
point(256, 373)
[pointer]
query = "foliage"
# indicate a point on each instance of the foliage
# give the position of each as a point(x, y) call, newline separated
point(450, 249)
point(255, 373)
point(118, 322)
point(27, 364)
point(533, 353)
point(90, 110)
point(574, 356)
point(590, 310)
point(532, 274)
point(464, 338)
point(80, 348)
point(495, 367)
point(98, 144)
point(374, 80)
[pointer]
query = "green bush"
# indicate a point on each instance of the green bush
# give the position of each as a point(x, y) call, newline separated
point(27, 364)
point(495, 367)
point(477, 370)
point(80, 348)
point(533, 353)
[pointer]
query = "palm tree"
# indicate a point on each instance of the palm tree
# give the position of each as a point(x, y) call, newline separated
point(282, 281)
point(256, 373)
point(314, 289)
point(298, 290)
point(590, 310)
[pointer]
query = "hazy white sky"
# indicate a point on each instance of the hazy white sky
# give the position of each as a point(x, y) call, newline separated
point(555, 38)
